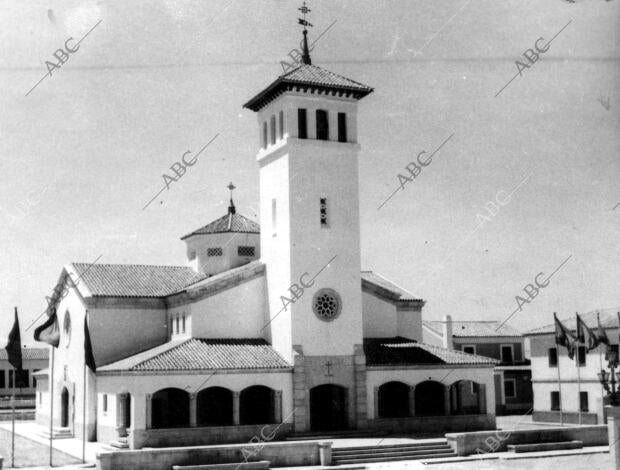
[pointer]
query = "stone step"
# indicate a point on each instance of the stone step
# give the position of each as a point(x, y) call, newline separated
point(315, 436)
point(389, 449)
point(441, 442)
point(544, 446)
point(260, 465)
point(57, 433)
point(394, 458)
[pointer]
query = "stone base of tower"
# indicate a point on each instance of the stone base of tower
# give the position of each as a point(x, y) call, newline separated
point(329, 392)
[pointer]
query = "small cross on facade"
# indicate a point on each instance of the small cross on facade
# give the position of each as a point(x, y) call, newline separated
point(329, 364)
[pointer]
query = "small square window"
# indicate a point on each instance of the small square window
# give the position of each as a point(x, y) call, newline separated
point(582, 356)
point(506, 351)
point(469, 349)
point(583, 401)
point(553, 357)
point(215, 252)
point(245, 251)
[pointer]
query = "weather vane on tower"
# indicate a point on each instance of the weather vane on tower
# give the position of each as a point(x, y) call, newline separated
point(305, 57)
point(302, 21)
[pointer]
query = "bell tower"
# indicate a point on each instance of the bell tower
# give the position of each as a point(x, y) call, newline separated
point(310, 238)
point(309, 207)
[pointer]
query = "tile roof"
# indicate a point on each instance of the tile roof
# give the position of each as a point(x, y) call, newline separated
point(28, 354)
point(231, 222)
point(134, 280)
point(609, 319)
point(307, 75)
point(483, 329)
point(403, 351)
point(380, 281)
point(203, 354)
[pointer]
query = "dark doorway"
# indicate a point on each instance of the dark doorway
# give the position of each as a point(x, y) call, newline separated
point(429, 399)
point(328, 410)
point(170, 408)
point(256, 405)
point(394, 400)
point(64, 408)
point(128, 411)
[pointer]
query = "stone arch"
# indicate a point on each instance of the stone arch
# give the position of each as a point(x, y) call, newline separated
point(214, 407)
point(170, 408)
point(256, 405)
point(393, 400)
point(429, 397)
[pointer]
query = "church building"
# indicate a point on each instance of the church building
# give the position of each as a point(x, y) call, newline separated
point(272, 325)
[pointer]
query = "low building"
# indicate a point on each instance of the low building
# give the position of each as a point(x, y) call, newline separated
point(513, 375)
point(22, 385)
point(572, 384)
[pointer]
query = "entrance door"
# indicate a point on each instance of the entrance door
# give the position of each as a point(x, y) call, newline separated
point(328, 410)
point(64, 408)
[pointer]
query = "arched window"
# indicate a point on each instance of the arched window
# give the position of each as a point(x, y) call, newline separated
point(170, 408)
point(66, 328)
point(281, 127)
point(214, 407)
point(393, 400)
point(272, 125)
point(256, 405)
point(322, 125)
point(429, 399)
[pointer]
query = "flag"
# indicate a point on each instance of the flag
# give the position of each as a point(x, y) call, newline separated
point(304, 22)
point(585, 335)
point(563, 337)
point(49, 332)
point(14, 346)
point(601, 335)
point(89, 359)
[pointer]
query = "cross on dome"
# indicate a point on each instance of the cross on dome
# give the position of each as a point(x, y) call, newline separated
point(231, 208)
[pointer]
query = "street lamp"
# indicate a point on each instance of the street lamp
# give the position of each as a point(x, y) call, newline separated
point(609, 378)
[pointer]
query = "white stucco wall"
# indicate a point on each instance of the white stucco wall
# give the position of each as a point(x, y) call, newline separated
point(297, 173)
point(380, 317)
point(229, 242)
point(113, 331)
point(238, 312)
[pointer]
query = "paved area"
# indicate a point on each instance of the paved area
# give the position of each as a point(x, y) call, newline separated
point(72, 447)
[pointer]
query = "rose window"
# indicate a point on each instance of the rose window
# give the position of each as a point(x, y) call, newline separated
point(326, 304)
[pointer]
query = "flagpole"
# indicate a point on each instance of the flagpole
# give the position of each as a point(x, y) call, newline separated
point(84, 419)
point(13, 418)
point(578, 383)
point(51, 379)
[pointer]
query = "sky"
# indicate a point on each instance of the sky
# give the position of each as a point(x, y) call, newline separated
point(85, 150)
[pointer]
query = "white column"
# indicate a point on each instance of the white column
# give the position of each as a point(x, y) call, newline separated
point(192, 410)
point(236, 408)
point(148, 410)
point(277, 406)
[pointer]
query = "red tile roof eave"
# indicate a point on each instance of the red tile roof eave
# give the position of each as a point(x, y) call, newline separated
point(278, 87)
point(196, 233)
point(224, 371)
